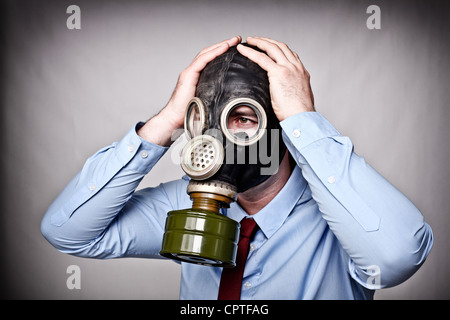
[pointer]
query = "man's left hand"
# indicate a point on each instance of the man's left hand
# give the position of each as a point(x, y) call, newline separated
point(290, 88)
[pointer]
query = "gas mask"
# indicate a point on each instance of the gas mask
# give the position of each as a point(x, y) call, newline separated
point(234, 144)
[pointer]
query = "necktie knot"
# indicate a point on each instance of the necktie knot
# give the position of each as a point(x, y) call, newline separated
point(248, 225)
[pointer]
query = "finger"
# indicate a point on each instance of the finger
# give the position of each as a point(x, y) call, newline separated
point(271, 49)
point(203, 59)
point(291, 55)
point(192, 72)
point(260, 58)
point(231, 42)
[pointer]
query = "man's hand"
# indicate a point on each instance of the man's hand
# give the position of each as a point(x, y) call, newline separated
point(290, 89)
point(159, 129)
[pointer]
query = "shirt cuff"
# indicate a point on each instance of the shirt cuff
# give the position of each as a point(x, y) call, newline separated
point(137, 153)
point(305, 128)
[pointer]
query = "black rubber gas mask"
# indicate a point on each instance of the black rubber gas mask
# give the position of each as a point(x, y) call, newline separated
point(234, 144)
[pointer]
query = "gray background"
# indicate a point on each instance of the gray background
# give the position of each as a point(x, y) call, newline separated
point(67, 93)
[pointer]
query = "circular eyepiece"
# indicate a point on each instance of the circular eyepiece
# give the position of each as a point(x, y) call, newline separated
point(195, 118)
point(202, 157)
point(243, 121)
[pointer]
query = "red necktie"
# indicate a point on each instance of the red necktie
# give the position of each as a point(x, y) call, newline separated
point(231, 280)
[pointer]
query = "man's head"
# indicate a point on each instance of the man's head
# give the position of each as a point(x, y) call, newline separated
point(235, 135)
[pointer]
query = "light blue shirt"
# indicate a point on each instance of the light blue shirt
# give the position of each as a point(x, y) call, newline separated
point(337, 229)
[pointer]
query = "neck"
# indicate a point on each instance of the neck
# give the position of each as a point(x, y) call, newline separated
point(256, 198)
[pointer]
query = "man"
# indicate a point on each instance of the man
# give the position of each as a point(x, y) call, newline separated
point(329, 226)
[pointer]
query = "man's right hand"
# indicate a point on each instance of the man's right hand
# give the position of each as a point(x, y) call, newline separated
point(160, 128)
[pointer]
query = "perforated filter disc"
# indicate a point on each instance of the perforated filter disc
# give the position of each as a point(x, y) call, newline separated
point(202, 157)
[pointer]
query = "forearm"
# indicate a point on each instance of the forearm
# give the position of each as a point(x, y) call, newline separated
point(95, 196)
point(375, 224)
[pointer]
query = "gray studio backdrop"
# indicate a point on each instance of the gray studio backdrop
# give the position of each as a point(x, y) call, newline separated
point(67, 93)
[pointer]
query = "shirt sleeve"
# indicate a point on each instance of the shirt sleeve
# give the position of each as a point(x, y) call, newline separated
point(100, 215)
point(381, 232)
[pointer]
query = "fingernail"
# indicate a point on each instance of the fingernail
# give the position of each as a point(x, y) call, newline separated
point(241, 46)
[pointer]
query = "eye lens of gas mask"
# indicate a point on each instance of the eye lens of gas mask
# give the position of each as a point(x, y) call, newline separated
point(195, 119)
point(243, 121)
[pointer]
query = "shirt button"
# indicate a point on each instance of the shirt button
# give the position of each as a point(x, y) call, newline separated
point(144, 154)
point(252, 247)
point(92, 187)
point(296, 133)
point(130, 148)
point(331, 179)
point(247, 285)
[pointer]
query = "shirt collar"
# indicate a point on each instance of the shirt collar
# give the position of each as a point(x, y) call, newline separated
point(273, 215)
